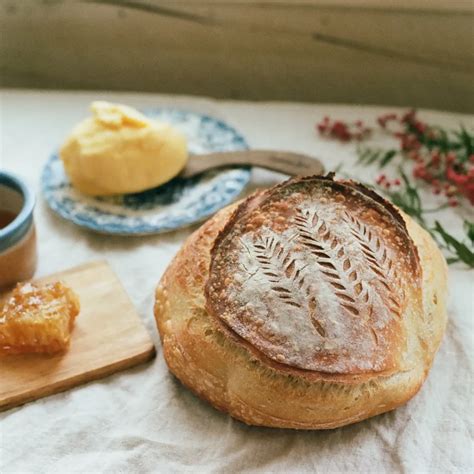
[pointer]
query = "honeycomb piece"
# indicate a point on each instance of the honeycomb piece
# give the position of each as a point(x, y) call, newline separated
point(38, 319)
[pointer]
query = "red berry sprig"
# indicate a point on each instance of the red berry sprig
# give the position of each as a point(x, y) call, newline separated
point(382, 180)
point(445, 161)
point(343, 131)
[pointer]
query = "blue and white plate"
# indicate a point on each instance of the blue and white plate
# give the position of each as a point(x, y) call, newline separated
point(177, 204)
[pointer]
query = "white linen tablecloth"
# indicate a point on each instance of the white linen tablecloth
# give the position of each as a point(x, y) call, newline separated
point(142, 420)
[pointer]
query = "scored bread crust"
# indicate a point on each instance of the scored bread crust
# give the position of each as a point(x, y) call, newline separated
point(222, 367)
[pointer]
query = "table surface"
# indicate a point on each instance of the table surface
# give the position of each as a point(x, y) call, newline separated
point(142, 420)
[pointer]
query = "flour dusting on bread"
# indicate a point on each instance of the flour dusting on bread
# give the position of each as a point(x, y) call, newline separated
point(312, 279)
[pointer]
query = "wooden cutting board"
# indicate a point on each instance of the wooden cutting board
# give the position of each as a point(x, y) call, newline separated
point(108, 336)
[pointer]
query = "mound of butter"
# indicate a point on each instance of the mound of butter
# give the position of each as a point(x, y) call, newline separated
point(119, 151)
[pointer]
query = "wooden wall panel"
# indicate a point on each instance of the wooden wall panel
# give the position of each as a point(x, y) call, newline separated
point(409, 53)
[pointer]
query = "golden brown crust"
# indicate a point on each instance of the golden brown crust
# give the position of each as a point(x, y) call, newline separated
point(223, 368)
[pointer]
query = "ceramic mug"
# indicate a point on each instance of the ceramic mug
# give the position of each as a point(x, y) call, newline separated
point(18, 255)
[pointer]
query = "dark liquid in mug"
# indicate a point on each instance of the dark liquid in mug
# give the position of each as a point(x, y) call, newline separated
point(6, 217)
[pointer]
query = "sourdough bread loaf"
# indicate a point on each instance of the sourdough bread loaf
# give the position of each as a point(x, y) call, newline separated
point(310, 305)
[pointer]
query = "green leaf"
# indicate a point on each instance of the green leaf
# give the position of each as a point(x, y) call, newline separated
point(411, 199)
point(452, 260)
point(467, 141)
point(387, 158)
point(362, 154)
point(367, 156)
point(460, 249)
point(373, 157)
point(469, 229)
point(443, 141)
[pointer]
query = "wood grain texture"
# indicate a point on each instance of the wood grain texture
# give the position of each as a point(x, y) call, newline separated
point(407, 53)
point(108, 337)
